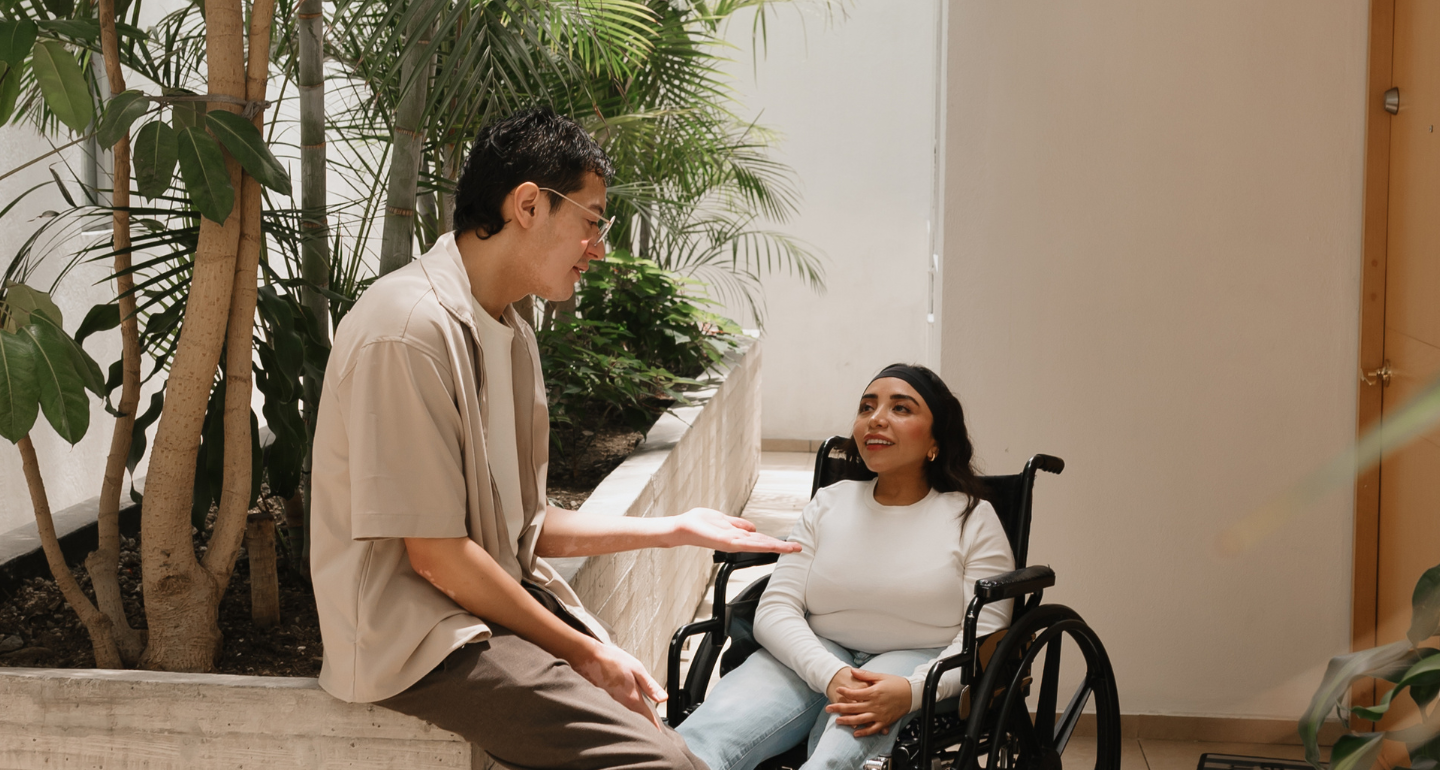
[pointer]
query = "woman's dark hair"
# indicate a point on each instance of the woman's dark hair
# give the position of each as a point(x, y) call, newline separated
point(532, 145)
point(953, 468)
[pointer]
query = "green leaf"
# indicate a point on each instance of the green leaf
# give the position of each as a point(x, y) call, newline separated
point(101, 318)
point(61, 8)
point(202, 166)
point(247, 146)
point(1425, 673)
point(137, 438)
point(10, 76)
point(87, 30)
point(62, 393)
point(63, 85)
point(1425, 607)
point(120, 112)
point(1343, 670)
point(85, 366)
point(19, 391)
point(16, 40)
point(186, 114)
point(156, 150)
point(1356, 752)
point(21, 301)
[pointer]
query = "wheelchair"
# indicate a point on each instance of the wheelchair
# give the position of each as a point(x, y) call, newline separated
point(991, 723)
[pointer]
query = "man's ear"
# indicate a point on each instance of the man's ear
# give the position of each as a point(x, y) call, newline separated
point(524, 204)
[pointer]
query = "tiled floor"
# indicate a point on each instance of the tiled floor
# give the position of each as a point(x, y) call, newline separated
point(780, 493)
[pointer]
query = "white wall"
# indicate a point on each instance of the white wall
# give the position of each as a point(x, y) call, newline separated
point(72, 474)
point(854, 99)
point(1152, 252)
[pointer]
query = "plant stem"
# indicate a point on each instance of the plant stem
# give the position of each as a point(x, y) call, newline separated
point(96, 622)
point(104, 564)
point(397, 241)
point(181, 597)
point(240, 330)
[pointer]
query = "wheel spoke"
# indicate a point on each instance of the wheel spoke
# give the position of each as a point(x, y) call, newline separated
point(1072, 715)
point(1049, 683)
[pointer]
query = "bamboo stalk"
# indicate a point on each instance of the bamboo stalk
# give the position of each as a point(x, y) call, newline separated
point(239, 338)
point(96, 622)
point(104, 564)
point(181, 597)
point(314, 226)
point(397, 240)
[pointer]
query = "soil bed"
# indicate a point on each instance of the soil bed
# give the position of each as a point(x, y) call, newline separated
point(38, 629)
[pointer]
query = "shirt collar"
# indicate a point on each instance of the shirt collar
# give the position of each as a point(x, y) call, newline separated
point(446, 272)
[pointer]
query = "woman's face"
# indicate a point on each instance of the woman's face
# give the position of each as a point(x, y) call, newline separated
point(892, 426)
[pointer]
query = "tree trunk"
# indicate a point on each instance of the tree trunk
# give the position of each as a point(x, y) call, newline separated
point(104, 564)
point(181, 597)
point(314, 226)
point(96, 622)
point(397, 242)
point(240, 330)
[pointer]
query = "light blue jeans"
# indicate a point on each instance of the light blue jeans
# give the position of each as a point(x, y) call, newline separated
point(763, 708)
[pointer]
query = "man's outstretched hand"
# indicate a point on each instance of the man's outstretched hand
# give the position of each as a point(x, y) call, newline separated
point(709, 528)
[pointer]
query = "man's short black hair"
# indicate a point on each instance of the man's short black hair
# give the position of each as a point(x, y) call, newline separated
point(532, 145)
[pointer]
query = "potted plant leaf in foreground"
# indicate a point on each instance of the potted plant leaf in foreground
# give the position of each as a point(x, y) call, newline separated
point(1414, 670)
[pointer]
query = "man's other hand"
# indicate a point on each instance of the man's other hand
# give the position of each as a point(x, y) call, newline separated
point(622, 677)
point(709, 528)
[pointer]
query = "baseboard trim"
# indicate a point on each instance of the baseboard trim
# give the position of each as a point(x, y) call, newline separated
point(790, 445)
point(1161, 727)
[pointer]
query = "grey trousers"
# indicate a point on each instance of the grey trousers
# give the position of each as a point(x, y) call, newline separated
point(530, 711)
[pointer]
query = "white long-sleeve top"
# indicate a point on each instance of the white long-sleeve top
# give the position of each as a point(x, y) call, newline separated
point(877, 578)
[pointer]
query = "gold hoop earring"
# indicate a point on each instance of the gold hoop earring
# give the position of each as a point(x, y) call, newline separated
point(933, 454)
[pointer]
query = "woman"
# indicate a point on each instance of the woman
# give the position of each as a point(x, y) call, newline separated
point(878, 591)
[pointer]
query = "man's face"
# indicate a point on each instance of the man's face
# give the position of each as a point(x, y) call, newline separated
point(567, 240)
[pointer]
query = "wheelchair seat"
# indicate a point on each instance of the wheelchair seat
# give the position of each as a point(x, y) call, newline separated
point(991, 719)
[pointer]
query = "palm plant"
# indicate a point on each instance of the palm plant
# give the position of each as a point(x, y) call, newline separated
point(211, 266)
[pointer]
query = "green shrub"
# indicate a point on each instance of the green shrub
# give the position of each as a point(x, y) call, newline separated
point(667, 326)
point(615, 360)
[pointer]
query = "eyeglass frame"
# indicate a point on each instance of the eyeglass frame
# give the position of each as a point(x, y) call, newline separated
point(609, 222)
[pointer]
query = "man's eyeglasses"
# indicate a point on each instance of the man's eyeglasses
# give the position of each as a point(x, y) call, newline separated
point(604, 223)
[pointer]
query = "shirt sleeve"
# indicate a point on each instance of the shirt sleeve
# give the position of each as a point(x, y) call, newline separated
point(405, 438)
point(984, 552)
point(780, 621)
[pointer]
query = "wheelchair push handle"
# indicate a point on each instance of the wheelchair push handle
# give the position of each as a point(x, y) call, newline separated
point(1047, 463)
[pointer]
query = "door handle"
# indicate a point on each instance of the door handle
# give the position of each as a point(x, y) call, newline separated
point(1381, 375)
point(1392, 101)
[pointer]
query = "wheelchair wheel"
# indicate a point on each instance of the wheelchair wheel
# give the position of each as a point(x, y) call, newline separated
point(1021, 742)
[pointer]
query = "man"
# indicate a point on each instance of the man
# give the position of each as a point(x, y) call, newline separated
point(430, 521)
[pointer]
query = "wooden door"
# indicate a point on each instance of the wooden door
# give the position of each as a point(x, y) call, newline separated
point(1407, 526)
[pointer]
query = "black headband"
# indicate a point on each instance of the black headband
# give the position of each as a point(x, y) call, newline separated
point(916, 380)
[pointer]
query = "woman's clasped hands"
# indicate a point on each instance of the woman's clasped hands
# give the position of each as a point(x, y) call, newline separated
point(867, 701)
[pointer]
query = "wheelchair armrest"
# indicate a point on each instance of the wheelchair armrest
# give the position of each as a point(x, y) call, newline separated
point(928, 705)
point(1012, 584)
point(742, 560)
point(678, 691)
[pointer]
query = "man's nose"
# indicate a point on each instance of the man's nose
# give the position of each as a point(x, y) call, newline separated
point(595, 249)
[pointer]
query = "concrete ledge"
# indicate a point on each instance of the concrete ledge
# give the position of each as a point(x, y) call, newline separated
point(143, 719)
point(1164, 727)
point(706, 454)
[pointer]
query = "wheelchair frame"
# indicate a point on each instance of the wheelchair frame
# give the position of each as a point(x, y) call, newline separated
point(999, 726)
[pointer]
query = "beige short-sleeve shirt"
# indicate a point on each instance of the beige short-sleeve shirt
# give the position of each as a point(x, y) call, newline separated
point(400, 451)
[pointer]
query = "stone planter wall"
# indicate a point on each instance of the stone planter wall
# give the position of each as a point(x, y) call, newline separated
point(706, 454)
